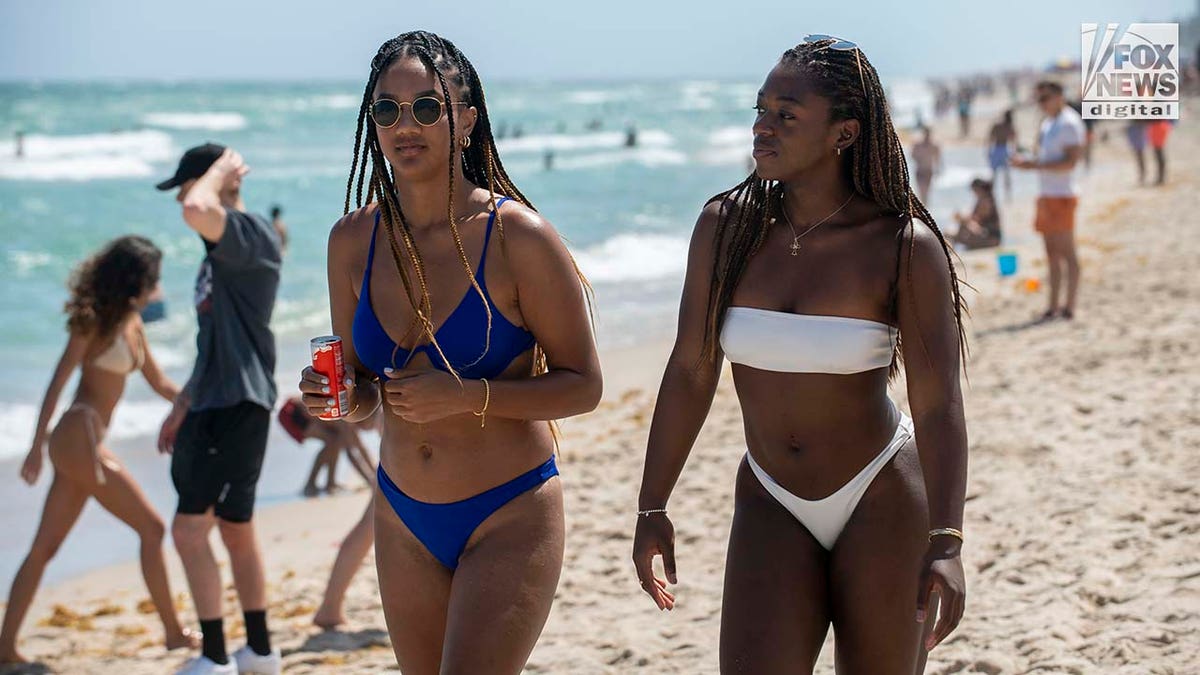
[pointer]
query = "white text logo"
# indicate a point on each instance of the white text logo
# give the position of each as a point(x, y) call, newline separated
point(1130, 71)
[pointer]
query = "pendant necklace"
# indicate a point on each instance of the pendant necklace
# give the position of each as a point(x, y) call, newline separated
point(795, 247)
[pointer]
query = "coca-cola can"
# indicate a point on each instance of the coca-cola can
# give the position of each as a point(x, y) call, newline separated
point(327, 360)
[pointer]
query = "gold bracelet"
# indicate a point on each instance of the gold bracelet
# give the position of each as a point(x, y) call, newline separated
point(948, 531)
point(487, 399)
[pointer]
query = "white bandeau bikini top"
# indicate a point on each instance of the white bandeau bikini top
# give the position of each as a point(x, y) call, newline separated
point(806, 343)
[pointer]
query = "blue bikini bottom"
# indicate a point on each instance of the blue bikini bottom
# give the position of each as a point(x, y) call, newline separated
point(445, 528)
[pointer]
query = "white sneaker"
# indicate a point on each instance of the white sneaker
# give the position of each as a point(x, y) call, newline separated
point(202, 665)
point(249, 663)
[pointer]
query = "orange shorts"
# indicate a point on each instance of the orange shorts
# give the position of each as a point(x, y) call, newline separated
point(1158, 131)
point(1055, 214)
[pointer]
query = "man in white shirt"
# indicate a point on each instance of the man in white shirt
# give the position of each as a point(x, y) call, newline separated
point(1061, 141)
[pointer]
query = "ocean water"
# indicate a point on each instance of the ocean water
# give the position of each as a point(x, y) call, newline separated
point(94, 151)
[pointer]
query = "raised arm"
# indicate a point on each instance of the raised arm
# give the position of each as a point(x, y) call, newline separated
point(932, 361)
point(684, 398)
point(72, 356)
point(202, 209)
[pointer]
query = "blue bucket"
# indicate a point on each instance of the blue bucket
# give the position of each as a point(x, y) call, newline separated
point(1007, 262)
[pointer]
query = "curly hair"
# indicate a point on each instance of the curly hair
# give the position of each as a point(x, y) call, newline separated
point(104, 286)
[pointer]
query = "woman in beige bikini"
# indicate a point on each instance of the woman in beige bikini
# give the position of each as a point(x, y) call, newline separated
point(107, 344)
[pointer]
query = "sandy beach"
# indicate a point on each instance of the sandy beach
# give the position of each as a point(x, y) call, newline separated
point(1083, 512)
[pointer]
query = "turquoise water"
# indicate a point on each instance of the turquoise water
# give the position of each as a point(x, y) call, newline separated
point(94, 152)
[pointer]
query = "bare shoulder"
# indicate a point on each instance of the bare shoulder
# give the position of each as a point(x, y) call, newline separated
point(889, 228)
point(925, 260)
point(352, 229)
point(80, 336)
point(79, 341)
point(724, 206)
point(712, 212)
point(527, 233)
point(139, 326)
point(523, 222)
point(924, 245)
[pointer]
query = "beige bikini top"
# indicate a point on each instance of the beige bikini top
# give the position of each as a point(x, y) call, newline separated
point(121, 357)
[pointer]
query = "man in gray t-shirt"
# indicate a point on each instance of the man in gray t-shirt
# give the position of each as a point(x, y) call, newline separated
point(217, 429)
point(235, 293)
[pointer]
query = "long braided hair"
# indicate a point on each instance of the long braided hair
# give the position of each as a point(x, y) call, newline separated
point(874, 166)
point(480, 163)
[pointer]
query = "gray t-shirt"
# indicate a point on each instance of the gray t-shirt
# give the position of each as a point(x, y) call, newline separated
point(235, 294)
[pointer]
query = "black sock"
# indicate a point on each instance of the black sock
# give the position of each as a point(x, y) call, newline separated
point(213, 641)
point(257, 636)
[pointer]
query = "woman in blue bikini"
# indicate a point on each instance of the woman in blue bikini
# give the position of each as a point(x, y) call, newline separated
point(465, 316)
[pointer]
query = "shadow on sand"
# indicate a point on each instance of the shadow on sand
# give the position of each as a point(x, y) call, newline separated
point(1016, 327)
point(35, 668)
point(343, 641)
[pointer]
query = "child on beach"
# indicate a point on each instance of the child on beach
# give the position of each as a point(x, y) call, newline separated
point(351, 552)
point(337, 438)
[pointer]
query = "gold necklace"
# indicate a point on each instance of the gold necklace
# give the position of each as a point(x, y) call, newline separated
point(796, 237)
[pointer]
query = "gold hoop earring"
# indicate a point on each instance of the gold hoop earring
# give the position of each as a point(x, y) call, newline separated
point(466, 142)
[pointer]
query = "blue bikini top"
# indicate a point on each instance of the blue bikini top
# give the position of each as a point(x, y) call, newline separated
point(462, 337)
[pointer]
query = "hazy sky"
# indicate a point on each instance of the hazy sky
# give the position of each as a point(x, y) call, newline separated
point(535, 39)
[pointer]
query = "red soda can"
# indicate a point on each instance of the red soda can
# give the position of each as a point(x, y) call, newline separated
point(327, 360)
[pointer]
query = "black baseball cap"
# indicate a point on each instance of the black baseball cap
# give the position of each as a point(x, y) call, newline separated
point(193, 164)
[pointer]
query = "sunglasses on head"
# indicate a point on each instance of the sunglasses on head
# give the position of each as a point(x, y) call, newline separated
point(426, 110)
point(841, 45)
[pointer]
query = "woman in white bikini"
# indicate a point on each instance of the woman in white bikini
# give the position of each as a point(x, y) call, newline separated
point(815, 276)
point(107, 344)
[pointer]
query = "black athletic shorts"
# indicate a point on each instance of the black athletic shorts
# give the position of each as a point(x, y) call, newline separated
point(218, 456)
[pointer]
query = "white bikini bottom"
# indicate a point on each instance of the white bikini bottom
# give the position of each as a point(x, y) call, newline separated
point(826, 518)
